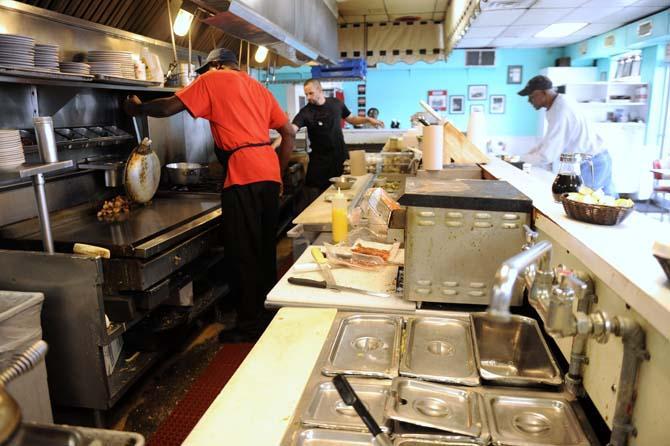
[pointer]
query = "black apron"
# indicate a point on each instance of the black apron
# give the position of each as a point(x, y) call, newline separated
point(224, 155)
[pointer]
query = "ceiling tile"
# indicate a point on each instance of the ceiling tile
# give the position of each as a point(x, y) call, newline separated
point(542, 16)
point(498, 18)
point(473, 43)
point(594, 29)
point(589, 15)
point(559, 3)
point(627, 15)
point(409, 8)
point(360, 7)
point(607, 3)
point(508, 42)
point(486, 31)
point(522, 31)
point(657, 3)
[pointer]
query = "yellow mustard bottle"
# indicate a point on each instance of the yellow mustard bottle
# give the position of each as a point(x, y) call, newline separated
point(340, 221)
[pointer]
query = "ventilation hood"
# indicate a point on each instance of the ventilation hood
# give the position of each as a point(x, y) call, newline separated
point(299, 30)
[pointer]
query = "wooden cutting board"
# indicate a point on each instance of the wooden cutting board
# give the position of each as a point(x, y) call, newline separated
point(459, 149)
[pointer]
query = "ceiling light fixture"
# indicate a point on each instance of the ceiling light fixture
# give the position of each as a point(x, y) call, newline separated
point(182, 22)
point(261, 54)
point(561, 29)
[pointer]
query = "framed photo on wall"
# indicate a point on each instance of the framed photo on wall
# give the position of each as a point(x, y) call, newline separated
point(361, 89)
point(361, 112)
point(477, 108)
point(477, 92)
point(497, 104)
point(457, 105)
point(437, 99)
point(514, 74)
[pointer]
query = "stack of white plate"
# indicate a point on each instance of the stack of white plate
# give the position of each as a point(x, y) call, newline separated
point(75, 68)
point(11, 150)
point(106, 68)
point(17, 51)
point(123, 58)
point(46, 56)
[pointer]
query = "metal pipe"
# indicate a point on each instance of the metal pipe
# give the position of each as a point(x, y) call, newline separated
point(508, 273)
point(634, 351)
point(578, 358)
point(43, 212)
point(174, 46)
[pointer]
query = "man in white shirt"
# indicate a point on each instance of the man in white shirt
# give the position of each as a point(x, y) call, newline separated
point(568, 131)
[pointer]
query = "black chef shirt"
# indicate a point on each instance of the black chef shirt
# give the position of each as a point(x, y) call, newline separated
point(326, 140)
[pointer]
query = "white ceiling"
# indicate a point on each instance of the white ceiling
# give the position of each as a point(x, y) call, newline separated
point(514, 23)
point(357, 11)
point(510, 23)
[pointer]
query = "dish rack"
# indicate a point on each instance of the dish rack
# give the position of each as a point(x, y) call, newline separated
point(598, 214)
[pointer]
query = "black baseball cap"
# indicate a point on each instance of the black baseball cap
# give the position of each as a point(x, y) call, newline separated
point(537, 83)
point(217, 55)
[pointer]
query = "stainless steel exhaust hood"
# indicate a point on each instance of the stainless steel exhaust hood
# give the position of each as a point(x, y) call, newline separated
point(299, 30)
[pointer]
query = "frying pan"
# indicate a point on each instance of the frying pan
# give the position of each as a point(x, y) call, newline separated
point(143, 170)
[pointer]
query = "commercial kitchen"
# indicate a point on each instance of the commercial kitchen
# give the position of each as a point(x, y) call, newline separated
point(451, 284)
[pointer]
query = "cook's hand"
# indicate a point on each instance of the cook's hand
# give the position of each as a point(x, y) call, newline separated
point(132, 105)
point(376, 122)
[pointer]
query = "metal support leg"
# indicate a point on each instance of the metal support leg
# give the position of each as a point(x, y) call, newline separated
point(43, 212)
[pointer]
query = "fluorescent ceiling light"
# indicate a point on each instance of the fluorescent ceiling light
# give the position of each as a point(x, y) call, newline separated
point(561, 29)
point(182, 22)
point(261, 54)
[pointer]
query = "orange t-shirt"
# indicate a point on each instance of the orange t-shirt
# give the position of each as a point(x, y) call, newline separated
point(240, 111)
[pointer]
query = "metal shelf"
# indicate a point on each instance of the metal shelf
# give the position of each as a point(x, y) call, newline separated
point(125, 374)
point(81, 84)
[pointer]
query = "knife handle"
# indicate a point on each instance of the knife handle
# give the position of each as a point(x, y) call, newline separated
point(318, 255)
point(308, 282)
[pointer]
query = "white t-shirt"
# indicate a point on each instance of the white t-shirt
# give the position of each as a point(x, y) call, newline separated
point(568, 131)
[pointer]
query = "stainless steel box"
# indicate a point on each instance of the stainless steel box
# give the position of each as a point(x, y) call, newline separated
point(458, 232)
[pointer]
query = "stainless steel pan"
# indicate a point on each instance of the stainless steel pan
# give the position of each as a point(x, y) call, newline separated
point(185, 173)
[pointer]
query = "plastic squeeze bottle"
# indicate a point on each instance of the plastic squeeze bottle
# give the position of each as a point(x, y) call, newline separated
point(339, 217)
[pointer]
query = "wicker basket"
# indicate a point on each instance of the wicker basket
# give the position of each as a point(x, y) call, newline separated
point(595, 213)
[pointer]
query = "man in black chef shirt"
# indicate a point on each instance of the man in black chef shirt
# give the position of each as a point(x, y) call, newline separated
point(322, 117)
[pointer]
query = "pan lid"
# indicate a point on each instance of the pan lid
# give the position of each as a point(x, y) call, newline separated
point(142, 173)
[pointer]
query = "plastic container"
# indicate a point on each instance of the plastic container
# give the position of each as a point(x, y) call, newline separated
point(20, 327)
point(340, 223)
point(301, 240)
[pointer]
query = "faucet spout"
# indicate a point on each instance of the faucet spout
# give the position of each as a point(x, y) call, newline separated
point(508, 273)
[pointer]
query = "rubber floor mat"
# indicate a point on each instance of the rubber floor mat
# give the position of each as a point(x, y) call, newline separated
point(184, 417)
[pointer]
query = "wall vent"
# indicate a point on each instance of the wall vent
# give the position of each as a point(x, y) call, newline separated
point(480, 58)
point(487, 5)
point(610, 41)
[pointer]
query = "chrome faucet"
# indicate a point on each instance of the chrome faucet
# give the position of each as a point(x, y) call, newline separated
point(512, 269)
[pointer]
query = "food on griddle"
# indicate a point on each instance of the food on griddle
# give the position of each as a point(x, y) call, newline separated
point(115, 209)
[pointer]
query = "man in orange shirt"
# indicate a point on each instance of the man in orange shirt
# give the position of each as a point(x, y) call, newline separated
point(240, 111)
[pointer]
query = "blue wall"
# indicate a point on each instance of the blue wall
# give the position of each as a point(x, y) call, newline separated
point(396, 89)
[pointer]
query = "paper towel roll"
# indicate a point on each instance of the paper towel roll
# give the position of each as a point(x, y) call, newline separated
point(433, 141)
point(357, 162)
point(477, 130)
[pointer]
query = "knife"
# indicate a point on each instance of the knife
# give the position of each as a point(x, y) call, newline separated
point(324, 285)
point(323, 264)
point(349, 396)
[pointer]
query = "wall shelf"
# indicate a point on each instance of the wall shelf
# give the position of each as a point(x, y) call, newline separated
point(82, 84)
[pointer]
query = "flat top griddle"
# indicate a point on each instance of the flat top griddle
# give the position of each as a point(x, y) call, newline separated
point(81, 225)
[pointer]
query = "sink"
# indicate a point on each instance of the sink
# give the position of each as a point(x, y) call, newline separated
point(46, 435)
point(34, 434)
point(513, 353)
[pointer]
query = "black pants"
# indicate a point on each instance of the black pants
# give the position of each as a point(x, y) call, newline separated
point(250, 219)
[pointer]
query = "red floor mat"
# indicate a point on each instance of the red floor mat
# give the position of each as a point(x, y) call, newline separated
point(184, 417)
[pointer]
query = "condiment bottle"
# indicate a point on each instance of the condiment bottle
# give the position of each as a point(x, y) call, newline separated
point(340, 221)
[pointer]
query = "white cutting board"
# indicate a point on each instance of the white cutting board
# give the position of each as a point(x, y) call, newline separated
point(286, 294)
